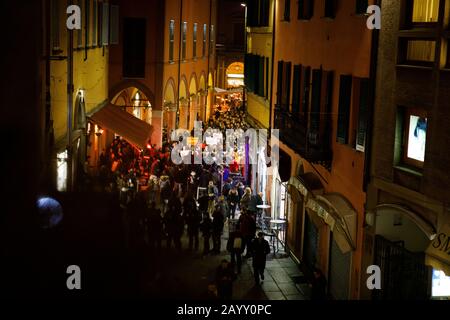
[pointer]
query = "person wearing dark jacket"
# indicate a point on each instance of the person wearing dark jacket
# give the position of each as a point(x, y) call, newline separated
point(318, 286)
point(224, 280)
point(260, 249)
point(217, 228)
point(193, 219)
point(155, 227)
point(233, 200)
point(206, 228)
point(235, 246)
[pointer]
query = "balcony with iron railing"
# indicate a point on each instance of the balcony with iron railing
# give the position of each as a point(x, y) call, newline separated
point(310, 139)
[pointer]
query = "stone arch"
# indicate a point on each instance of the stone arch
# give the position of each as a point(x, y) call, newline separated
point(169, 91)
point(193, 84)
point(202, 82)
point(182, 89)
point(210, 80)
point(136, 84)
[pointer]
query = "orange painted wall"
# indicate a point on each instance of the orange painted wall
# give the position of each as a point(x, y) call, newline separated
point(342, 45)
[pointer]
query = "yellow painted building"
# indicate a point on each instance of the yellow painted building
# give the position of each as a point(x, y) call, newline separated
point(89, 78)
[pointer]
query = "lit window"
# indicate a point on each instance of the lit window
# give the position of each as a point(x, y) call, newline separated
point(61, 173)
point(440, 284)
point(415, 137)
point(425, 11)
point(420, 50)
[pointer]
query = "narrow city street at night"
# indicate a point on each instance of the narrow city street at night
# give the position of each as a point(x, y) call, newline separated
point(254, 157)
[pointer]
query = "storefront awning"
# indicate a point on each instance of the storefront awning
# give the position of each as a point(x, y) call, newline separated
point(438, 252)
point(132, 129)
point(342, 218)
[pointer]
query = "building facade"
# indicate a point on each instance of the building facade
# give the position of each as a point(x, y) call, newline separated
point(321, 104)
point(260, 26)
point(406, 231)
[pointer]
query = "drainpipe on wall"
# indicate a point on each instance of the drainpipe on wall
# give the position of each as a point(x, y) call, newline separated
point(272, 66)
point(209, 55)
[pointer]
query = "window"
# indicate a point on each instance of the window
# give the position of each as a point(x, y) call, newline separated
point(264, 8)
point(279, 83)
point(361, 6)
point(134, 37)
point(363, 113)
point(315, 105)
point(171, 39)
point(194, 42)
point(286, 93)
point(105, 24)
point(114, 32)
point(55, 28)
point(80, 31)
point(305, 84)
point(287, 10)
point(415, 137)
point(424, 11)
point(330, 9)
point(204, 41)
point(211, 40)
point(305, 9)
point(94, 23)
point(296, 89)
point(87, 20)
point(417, 52)
point(258, 13)
point(183, 49)
point(345, 92)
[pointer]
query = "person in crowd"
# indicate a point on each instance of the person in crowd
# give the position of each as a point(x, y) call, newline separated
point(226, 187)
point(235, 246)
point(223, 206)
point(318, 286)
point(245, 200)
point(193, 219)
point(192, 182)
point(153, 188)
point(175, 223)
point(224, 280)
point(255, 201)
point(203, 201)
point(260, 250)
point(155, 227)
point(217, 229)
point(212, 194)
point(247, 226)
point(233, 200)
point(166, 192)
point(206, 229)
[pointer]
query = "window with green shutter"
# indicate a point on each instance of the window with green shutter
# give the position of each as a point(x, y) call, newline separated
point(363, 112)
point(361, 6)
point(296, 89)
point(305, 9)
point(345, 93)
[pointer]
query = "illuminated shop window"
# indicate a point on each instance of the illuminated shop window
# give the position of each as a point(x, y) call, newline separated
point(424, 11)
point(440, 284)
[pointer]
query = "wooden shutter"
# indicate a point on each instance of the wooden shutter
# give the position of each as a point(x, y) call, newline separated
point(114, 39)
point(280, 83)
point(330, 8)
point(361, 6)
point(345, 93)
point(305, 80)
point(315, 107)
point(296, 89)
point(362, 115)
point(105, 24)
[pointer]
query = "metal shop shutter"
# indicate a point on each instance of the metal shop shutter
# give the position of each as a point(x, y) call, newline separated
point(339, 272)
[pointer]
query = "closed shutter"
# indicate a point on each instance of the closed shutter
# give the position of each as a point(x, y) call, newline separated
point(94, 22)
point(311, 241)
point(105, 24)
point(306, 78)
point(362, 115)
point(87, 21)
point(279, 82)
point(345, 92)
point(330, 8)
point(326, 108)
point(55, 25)
point(361, 6)
point(267, 78)
point(315, 107)
point(287, 10)
point(296, 89)
point(264, 6)
point(305, 9)
point(339, 272)
point(286, 85)
point(114, 39)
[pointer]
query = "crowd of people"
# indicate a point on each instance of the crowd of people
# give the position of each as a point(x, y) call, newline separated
point(164, 201)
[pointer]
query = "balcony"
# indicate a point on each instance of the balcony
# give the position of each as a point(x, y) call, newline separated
point(313, 144)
